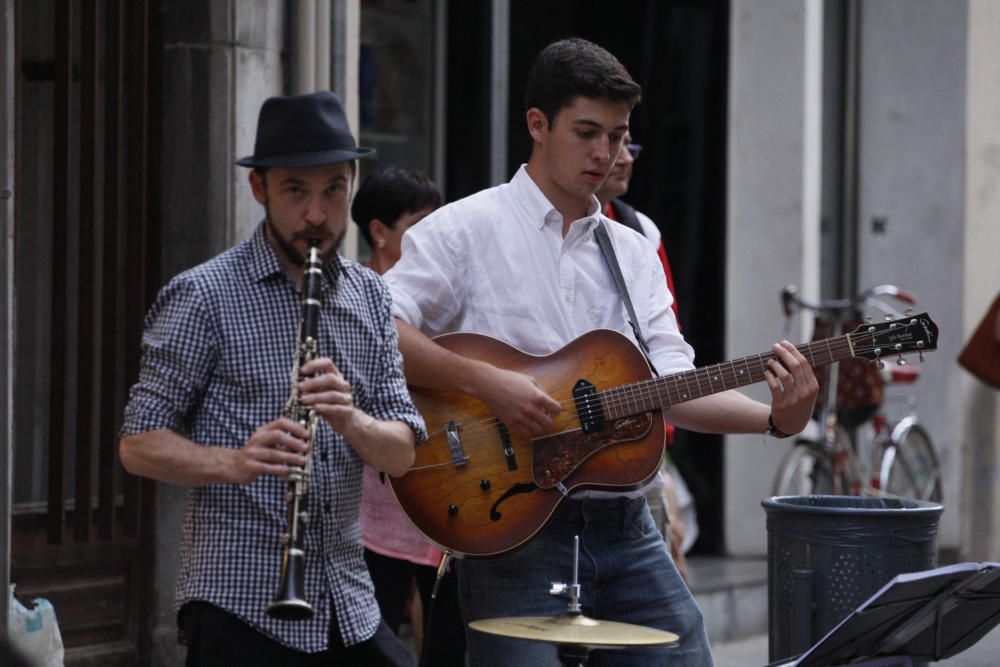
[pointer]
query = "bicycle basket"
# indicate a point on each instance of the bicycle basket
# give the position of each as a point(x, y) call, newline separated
point(860, 388)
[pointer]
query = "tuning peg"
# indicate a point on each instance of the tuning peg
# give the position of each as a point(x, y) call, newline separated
point(921, 356)
point(879, 364)
point(888, 318)
point(908, 312)
point(900, 361)
point(869, 319)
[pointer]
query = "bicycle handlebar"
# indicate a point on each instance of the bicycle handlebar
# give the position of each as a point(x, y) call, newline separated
point(790, 301)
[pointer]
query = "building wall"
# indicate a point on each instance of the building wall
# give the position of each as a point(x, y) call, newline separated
point(927, 70)
point(979, 411)
point(912, 177)
point(772, 222)
point(6, 296)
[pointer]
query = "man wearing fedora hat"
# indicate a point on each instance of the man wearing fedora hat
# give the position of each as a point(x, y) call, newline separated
point(205, 412)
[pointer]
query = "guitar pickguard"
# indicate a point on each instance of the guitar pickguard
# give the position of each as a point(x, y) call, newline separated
point(556, 456)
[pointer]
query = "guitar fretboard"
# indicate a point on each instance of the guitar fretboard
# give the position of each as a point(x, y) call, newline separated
point(663, 392)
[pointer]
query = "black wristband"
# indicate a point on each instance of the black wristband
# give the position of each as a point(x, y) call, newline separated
point(774, 431)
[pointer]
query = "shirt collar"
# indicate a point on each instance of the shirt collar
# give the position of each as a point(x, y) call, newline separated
point(264, 261)
point(537, 206)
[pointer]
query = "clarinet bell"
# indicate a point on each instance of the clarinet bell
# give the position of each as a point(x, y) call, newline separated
point(289, 604)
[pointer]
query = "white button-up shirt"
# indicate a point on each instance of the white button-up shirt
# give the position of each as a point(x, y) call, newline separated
point(496, 263)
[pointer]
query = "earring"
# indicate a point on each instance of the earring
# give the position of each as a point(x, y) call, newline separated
point(380, 243)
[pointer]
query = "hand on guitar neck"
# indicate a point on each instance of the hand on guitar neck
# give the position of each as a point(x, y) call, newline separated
point(512, 396)
point(793, 388)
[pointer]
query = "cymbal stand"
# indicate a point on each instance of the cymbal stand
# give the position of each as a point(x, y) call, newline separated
point(573, 633)
point(572, 591)
point(442, 569)
point(572, 655)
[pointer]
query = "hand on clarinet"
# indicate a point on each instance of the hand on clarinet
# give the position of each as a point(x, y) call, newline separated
point(325, 390)
point(271, 450)
point(386, 445)
point(793, 388)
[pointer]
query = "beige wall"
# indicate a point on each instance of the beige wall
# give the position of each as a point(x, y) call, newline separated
point(772, 227)
point(981, 273)
point(929, 164)
point(221, 60)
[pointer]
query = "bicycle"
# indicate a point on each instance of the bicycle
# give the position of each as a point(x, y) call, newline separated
point(901, 456)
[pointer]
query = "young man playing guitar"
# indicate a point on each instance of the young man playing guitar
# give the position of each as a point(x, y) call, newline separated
point(520, 263)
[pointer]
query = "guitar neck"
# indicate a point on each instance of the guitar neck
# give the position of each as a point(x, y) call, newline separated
point(662, 392)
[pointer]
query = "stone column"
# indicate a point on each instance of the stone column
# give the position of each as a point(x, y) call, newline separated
point(773, 218)
point(221, 60)
point(911, 190)
point(6, 296)
point(979, 415)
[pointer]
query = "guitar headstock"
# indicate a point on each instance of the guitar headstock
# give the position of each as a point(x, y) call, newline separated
point(879, 340)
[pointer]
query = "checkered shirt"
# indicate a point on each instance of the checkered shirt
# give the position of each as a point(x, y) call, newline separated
point(218, 351)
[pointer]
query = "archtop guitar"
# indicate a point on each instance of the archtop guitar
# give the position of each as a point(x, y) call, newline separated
point(478, 489)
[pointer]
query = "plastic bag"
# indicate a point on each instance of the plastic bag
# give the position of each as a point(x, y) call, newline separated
point(685, 507)
point(34, 632)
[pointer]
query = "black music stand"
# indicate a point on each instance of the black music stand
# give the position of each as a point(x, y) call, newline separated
point(929, 615)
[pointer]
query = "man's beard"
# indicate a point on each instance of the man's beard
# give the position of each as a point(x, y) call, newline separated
point(286, 248)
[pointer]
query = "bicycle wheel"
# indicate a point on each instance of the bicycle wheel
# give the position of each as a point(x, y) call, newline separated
point(804, 471)
point(913, 470)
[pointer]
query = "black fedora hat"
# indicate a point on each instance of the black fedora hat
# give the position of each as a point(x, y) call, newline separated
point(303, 131)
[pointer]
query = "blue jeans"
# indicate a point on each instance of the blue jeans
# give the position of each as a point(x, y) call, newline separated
point(626, 575)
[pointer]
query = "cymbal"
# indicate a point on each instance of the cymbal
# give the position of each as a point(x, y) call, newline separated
point(575, 629)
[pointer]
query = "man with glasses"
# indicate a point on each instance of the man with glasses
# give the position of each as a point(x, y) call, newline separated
point(613, 207)
point(662, 496)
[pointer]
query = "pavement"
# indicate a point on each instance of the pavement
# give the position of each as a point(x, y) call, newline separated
point(752, 652)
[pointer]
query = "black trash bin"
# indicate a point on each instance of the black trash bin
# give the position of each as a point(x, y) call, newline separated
point(828, 554)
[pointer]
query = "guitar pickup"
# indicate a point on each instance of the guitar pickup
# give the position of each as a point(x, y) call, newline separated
point(453, 432)
point(508, 447)
point(588, 407)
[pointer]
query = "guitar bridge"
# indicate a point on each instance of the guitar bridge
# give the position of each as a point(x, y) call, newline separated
point(458, 457)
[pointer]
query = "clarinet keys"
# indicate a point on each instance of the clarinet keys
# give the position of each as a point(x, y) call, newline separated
point(289, 603)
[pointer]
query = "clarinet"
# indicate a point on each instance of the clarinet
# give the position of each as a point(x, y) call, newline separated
point(289, 602)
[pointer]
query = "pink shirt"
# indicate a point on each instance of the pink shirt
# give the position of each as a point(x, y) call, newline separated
point(385, 528)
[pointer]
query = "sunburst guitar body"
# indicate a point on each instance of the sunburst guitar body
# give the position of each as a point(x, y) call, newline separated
point(478, 489)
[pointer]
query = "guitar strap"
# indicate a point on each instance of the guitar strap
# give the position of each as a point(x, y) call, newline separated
point(604, 240)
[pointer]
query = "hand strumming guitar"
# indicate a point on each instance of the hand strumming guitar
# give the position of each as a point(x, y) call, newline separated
point(516, 399)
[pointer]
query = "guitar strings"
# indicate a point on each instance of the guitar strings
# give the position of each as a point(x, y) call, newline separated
point(628, 396)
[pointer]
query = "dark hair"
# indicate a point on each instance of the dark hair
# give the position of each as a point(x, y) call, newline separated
point(572, 68)
point(386, 195)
